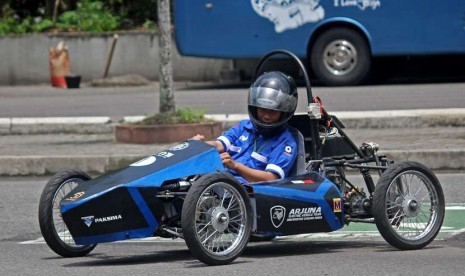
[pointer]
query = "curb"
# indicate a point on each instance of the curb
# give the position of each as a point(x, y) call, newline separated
point(437, 160)
point(78, 125)
point(47, 165)
point(453, 117)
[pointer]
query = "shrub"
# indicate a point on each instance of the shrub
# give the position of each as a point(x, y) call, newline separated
point(90, 16)
point(29, 16)
point(181, 116)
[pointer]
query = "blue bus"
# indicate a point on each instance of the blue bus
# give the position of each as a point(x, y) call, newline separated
point(338, 39)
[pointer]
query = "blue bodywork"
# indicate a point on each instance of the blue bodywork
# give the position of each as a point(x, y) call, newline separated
point(124, 204)
point(310, 203)
point(116, 200)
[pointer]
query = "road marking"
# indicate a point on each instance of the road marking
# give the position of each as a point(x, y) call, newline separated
point(459, 207)
point(143, 240)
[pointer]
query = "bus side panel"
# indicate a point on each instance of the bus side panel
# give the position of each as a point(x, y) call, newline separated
point(251, 28)
point(417, 27)
point(445, 27)
point(230, 29)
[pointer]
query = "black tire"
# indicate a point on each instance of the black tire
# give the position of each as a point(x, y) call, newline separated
point(408, 205)
point(340, 57)
point(216, 219)
point(53, 228)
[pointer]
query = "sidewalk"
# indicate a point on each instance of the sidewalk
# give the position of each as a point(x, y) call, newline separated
point(41, 146)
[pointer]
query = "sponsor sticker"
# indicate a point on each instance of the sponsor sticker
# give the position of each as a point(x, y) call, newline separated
point(144, 162)
point(75, 196)
point(288, 150)
point(165, 154)
point(180, 146)
point(92, 219)
point(303, 181)
point(88, 220)
point(307, 213)
point(337, 205)
point(277, 214)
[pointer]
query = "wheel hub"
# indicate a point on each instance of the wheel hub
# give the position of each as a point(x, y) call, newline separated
point(220, 219)
point(411, 206)
point(340, 57)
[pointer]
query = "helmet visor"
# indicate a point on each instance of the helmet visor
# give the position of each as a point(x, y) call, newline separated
point(273, 99)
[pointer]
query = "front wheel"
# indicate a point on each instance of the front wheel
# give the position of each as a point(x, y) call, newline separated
point(216, 219)
point(408, 205)
point(52, 226)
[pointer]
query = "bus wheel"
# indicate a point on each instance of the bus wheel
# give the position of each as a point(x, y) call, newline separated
point(340, 57)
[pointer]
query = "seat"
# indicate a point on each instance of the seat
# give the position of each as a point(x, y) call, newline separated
point(299, 164)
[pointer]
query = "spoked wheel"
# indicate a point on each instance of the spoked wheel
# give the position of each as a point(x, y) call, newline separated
point(52, 226)
point(216, 219)
point(408, 205)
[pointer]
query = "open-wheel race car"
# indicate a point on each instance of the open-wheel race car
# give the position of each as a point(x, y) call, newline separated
point(185, 192)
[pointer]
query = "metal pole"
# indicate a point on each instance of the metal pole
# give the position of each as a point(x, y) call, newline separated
point(110, 55)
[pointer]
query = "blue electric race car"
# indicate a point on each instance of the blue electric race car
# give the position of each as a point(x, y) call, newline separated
point(184, 192)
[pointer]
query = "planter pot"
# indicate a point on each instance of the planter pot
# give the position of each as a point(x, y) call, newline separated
point(152, 134)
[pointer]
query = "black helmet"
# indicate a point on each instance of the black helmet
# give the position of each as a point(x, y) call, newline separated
point(276, 91)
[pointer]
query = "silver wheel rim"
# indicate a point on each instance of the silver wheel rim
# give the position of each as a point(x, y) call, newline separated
point(412, 205)
point(59, 225)
point(220, 219)
point(340, 57)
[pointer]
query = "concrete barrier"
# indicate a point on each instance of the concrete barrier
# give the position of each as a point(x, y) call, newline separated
point(25, 58)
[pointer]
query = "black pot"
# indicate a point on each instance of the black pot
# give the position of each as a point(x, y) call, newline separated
point(73, 81)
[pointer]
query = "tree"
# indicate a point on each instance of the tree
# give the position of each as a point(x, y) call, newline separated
point(167, 104)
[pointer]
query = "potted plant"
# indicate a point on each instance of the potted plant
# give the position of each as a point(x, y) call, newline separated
point(168, 127)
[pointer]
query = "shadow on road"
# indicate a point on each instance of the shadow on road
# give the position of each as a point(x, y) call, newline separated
point(385, 71)
point(144, 258)
point(260, 250)
point(253, 250)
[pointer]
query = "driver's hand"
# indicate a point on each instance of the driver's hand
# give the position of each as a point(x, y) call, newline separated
point(198, 137)
point(228, 162)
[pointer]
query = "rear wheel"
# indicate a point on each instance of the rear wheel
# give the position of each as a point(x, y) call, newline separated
point(52, 226)
point(340, 56)
point(408, 205)
point(216, 219)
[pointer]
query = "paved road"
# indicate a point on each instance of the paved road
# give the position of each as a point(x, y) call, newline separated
point(44, 101)
point(328, 255)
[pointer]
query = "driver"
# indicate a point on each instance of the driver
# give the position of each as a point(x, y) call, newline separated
point(262, 148)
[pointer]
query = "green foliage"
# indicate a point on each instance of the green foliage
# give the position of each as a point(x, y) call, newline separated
point(181, 116)
point(27, 25)
point(32, 16)
point(90, 16)
point(42, 25)
point(149, 25)
point(188, 115)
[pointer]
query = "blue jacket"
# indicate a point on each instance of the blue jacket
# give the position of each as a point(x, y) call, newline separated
point(275, 154)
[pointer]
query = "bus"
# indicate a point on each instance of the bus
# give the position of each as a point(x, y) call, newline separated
point(338, 39)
